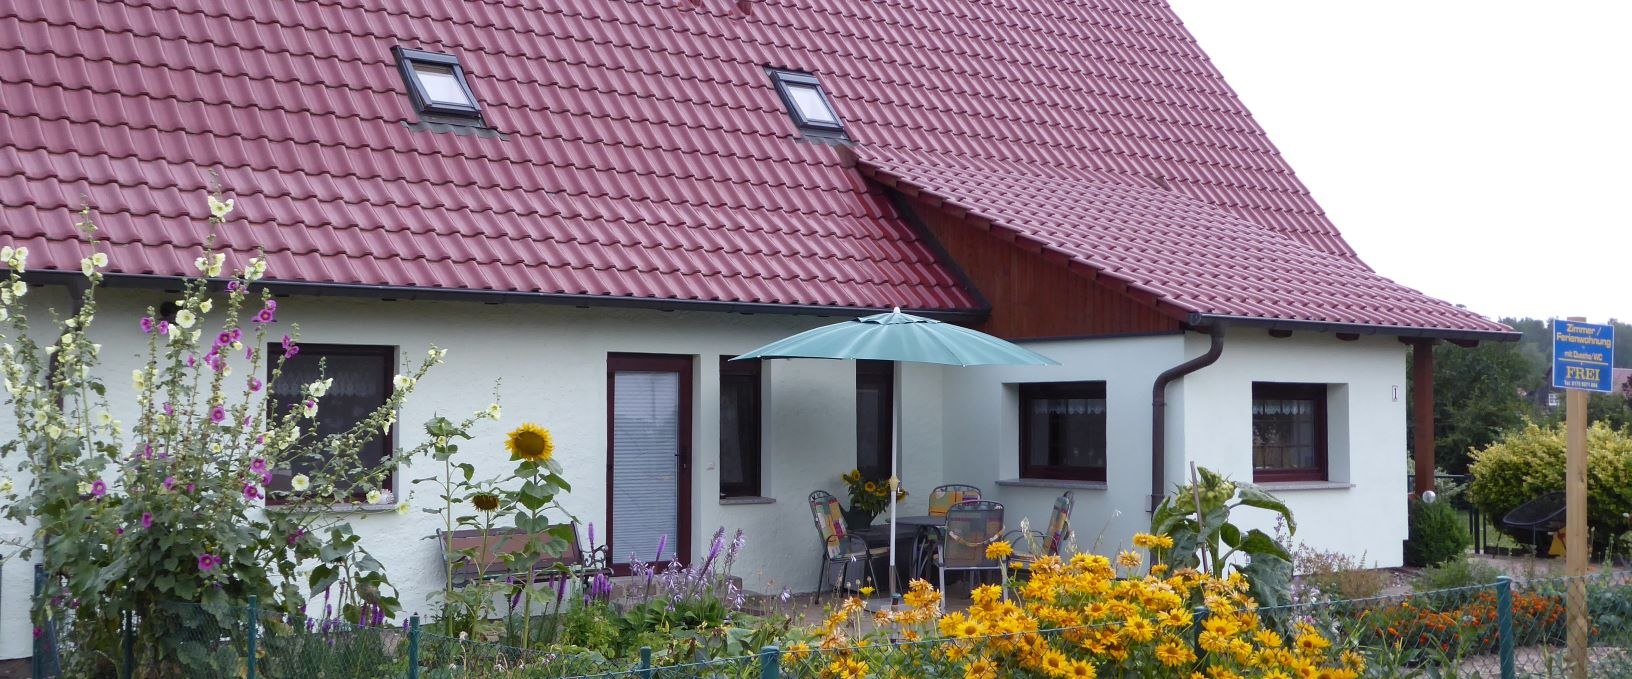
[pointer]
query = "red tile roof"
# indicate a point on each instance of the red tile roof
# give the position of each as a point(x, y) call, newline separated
point(1187, 254)
point(643, 152)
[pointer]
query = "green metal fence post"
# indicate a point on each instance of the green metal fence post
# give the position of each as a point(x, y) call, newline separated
point(253, 627)
point(1504, 624)
point(645, 662)
point(128, 640)
point(413, 646)
point(770, 663)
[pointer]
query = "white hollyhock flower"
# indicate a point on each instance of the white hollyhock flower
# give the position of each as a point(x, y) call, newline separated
point(205, 306)
point(300, 483)
point(185, 318)
point(403, 508)
point(402, 382)
point(100, 259)
point(5, 486)
point(319, 388)
point(220, 208)
point(374, 497)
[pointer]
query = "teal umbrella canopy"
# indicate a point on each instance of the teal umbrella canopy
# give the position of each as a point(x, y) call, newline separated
point(896, 336)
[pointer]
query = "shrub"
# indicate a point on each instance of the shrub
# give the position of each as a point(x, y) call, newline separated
point(1530, 462)
point(1458, 572)
point(1437, 534)
point(1336, 575)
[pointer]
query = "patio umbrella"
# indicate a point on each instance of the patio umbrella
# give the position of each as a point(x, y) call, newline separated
point(899, 337)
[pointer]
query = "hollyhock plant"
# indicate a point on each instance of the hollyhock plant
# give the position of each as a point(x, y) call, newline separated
point(192, 469)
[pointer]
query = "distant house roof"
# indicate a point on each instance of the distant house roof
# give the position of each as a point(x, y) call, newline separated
point(638, 150)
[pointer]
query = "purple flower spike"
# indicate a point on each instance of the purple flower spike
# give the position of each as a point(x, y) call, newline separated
point(592, 534)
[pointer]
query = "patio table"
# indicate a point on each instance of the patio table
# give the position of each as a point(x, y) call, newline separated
point(922, 526)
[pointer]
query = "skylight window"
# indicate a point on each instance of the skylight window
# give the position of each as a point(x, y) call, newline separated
point(807, 103)
point(437, 85)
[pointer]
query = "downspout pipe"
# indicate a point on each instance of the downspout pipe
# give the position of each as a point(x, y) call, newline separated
point(1158, 410)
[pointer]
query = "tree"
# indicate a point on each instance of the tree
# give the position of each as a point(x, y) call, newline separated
point(1478, 394)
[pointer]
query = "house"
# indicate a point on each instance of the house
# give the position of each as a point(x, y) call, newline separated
point(593, 203)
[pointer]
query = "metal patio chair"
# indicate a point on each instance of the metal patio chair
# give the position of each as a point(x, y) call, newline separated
point(839, 545)
point(970, 527)
point(940, 500)
point(1032, 544)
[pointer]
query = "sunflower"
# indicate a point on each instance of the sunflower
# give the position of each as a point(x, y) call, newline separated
point(486, 502)
point(530, 442)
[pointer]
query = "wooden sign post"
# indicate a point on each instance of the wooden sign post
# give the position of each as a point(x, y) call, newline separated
point(1583, 359)
point(1575, 528)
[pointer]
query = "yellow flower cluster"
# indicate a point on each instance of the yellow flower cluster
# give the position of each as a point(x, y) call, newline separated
point(1079, 619)
point(869, 495)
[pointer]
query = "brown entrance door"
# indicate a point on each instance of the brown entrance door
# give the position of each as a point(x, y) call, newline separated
point(648, 460)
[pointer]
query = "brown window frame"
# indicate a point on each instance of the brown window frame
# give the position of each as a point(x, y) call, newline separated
point(878, 375)
point(1091, 389)
point(386, 353)
point(1296, 391)
point(750, 427)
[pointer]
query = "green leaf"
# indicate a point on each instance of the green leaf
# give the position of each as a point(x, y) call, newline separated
point(1253, 496)
point(1230, 534)
point(1259, 543)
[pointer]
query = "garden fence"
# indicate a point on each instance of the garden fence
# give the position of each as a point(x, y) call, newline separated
point(1508, 629)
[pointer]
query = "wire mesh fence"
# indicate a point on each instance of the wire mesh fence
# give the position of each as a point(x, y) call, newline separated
point(1509, 629)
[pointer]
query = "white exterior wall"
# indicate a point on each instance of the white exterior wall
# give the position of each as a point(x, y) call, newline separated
point(960, 424)
point(1209, 416)
point(1363, 510)
point(550, 366)
point(983, 434)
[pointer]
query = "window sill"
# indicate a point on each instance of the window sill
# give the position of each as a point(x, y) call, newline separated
point(334, 508)
point(747, 500)
point(1303, 485)
point(1053, 483)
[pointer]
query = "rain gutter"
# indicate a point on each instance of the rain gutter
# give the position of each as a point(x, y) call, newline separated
point(1200, 320)
point(394, 292)
point(1158, 410)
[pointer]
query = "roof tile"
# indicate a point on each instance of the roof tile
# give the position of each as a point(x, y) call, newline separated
point(644, 152)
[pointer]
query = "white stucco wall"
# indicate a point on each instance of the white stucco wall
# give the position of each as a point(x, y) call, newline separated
point(1209, 422)
point(1366, 432)
point(550, 365)
point(960, 424)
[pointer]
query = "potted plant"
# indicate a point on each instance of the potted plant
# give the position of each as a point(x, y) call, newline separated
point(868, 497)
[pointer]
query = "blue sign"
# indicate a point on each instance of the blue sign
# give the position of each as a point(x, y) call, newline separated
point(1583, 356)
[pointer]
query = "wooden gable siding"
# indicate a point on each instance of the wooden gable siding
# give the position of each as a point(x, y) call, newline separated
point(1033, 296)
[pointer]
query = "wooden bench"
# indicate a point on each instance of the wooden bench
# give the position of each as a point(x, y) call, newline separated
point(471, 555)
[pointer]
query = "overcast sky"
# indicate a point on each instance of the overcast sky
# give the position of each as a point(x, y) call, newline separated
point(1479, 151)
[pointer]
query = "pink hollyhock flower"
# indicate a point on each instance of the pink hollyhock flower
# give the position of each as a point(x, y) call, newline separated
point(208, 561)
point(168, 482)
point(147, 324)
point(217, 414)
point(147, 520)
point(289, 347)
point(255, 384)
point(163, 327)
point(99, 488)
point(252, 491)
point(257, 466)
point(264, 316)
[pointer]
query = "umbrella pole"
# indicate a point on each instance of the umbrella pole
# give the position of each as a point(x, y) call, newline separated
point(895, 462)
